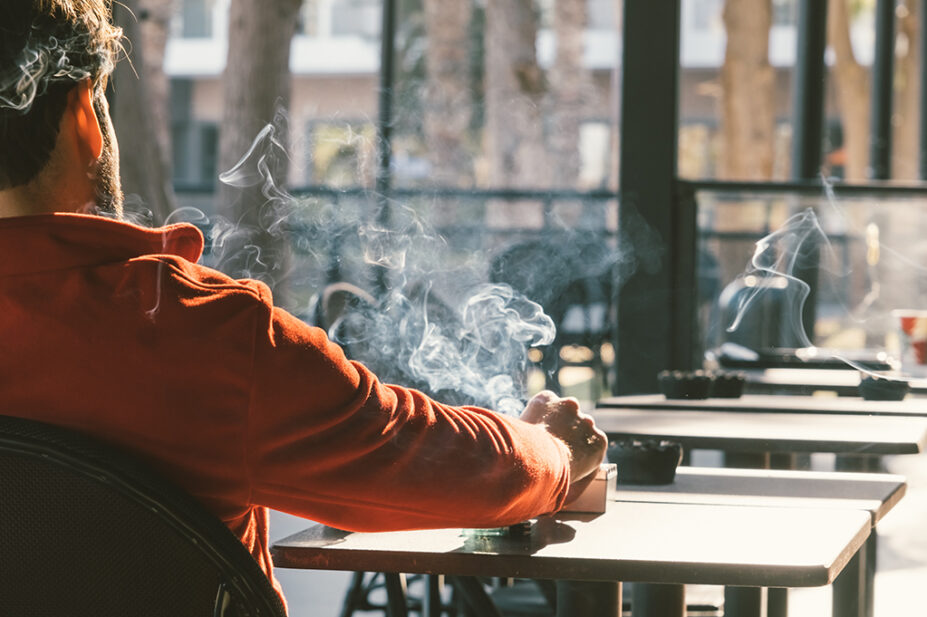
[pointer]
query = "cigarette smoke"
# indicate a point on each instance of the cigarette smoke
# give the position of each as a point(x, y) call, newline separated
point(44, 61)
point(472, 350)
point(772, 267)
point(858, 282)
point(444, 324)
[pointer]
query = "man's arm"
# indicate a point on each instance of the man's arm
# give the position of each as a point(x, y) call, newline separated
point(329, 442)
point(562, 418)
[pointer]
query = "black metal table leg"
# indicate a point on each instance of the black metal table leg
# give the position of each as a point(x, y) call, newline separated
point(354, 597)
point(744, 601)
point(859, 463)
point(752, 601)
point(588, 599)
point(777, 602)
point(658, 600)
point(850, 595)
point(432, 605)
point(396, 595)
point(872, 543)
point(747, 460)
point(474, 595)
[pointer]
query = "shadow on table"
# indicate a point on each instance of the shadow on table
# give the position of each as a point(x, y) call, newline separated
point(544, 532)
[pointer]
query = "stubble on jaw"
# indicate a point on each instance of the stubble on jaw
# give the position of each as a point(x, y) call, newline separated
point(105, 172)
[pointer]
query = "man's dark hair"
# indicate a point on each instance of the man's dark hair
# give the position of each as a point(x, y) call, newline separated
point(46, 48)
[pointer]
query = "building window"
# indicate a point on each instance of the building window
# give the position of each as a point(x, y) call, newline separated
point(705, 14)
point(355, 17)
point(196, 19)
point(784, 12)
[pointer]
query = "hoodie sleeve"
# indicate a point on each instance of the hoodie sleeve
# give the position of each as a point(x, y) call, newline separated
point(329, 442)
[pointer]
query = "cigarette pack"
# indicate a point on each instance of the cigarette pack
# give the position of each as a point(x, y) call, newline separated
point(600, 491)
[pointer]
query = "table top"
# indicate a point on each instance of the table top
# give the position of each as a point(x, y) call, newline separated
point(631, 541)
point(768, 432)
point(916, 407)
point(876, 493)
point(807, 380)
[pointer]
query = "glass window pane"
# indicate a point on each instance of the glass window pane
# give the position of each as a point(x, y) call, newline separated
point(736, 89)
point(503, 150)
point(507, 94)
point(196, 18)
point(737, 61)
point(862, 255)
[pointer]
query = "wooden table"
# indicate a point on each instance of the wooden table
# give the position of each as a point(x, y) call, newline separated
point(749, 439)
point(844, 382)
point(662, 543)
point(876, 494)
point(736, 431)
point(772, 403)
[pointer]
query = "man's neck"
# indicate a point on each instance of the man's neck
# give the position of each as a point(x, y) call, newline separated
point(22, 201)
point(34, 197)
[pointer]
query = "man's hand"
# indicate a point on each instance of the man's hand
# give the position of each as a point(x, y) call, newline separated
point(563, 419)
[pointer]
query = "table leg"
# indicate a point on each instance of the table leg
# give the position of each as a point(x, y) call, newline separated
point(432, 603)
point(589, 599)
point(859, 462)
point(747, 460)
point(749, 601)
point(396, 595)
point(783, 460)
point(777, 602)
point(869, 590)
point(850, 596)
point(353, 596)
point(744, 601)
point(658, 600)
point(474, 594)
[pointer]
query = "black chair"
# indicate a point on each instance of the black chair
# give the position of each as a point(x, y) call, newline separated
point(573, 280)
point(86, 529)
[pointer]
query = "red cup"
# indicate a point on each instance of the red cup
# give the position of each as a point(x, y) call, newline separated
point(912, 338)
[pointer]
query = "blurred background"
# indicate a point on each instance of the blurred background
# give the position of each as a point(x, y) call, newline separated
point(498, 124)
point(650, 173)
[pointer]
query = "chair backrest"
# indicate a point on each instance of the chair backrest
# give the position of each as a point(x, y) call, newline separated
point(86, 529)
point(558, 276)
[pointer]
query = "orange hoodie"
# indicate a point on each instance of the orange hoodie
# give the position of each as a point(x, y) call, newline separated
point(112, 329)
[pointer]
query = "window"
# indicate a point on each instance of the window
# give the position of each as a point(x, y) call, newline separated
point(784, 12)
point(341, 153)
point(706, 14)
point(355, 17)
point(196, 18)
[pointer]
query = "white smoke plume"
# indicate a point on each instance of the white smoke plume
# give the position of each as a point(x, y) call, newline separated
point(442, 324)
point(44, 61)
point(865, 257)
point(772, 270)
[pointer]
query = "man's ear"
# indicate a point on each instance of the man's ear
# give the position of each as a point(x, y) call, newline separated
point(86, 124)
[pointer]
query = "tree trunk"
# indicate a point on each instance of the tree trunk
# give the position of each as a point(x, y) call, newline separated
point(256, 88)
point(513, 135)
point(569, 87)
point(615, 121)
point(140, 110)
point(447, 98)
point(906, 124)
point(852, 84)
point(747, 92)
point(155, 19)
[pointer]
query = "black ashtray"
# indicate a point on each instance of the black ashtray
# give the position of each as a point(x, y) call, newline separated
point(683, 384)
point(645, 462)
point(874, 388)
point(728, 385)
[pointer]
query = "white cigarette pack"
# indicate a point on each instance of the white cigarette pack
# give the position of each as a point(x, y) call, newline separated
point(600, 491)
